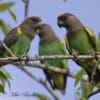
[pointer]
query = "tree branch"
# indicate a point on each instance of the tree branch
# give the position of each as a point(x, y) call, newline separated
point(43, 83)
point(8, 50)
point(47, 67)
point(26, 8)
point(91, 56)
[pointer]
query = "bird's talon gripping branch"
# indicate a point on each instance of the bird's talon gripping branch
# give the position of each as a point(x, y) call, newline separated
point(27, 59)
point(20, 59)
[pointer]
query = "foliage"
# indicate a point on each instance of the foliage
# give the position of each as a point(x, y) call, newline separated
point(6, 7)
point(4, 75)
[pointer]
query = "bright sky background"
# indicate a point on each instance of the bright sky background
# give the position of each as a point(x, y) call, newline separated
point(86, 10)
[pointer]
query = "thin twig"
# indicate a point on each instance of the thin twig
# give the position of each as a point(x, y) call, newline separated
point(93, 93)
point(8, 50)
point(44, 83)
point(47, 67)
point(26, 8)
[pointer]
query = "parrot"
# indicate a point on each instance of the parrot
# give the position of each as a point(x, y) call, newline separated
point(50, 44)
point(18, 40)
point(80, 40)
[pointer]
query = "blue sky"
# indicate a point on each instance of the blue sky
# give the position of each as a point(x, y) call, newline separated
point(88, 13)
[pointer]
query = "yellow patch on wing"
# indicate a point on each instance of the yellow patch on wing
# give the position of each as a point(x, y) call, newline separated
point(67, 42)
point(19, 31)
point(62, 42)
point(89, 31)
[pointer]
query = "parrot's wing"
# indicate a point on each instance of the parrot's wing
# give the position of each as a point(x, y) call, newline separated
point(9, 40)
point(62, 48)
point(91, 37)
point(67, 43)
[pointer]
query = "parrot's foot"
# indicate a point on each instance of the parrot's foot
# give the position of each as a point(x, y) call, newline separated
point(27, 59)
point(23, 58)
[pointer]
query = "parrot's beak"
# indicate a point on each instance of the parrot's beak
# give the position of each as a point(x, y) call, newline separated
point(37, 29)
point(60, 24)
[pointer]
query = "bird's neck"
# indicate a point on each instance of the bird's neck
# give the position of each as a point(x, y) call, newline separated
point(48, 38)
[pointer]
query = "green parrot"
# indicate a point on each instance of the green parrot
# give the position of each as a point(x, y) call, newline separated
point(18, 39)
point(80, 40)
point(50, 44)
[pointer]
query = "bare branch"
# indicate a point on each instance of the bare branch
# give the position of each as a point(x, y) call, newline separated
point(43, 83)
point(48, 67)
point(8, 50)
point(26, 8)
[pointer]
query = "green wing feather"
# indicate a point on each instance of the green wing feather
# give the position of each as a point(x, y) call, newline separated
point(57, 81)
point(91, 37)
point(53, 48)
point(18, 44)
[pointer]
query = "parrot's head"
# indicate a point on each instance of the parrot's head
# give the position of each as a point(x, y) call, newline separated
point(30, 25)
point(44, 30)
point(69, 21)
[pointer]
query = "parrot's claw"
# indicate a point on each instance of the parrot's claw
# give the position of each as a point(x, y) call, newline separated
point(20, 59)
point(27, 59)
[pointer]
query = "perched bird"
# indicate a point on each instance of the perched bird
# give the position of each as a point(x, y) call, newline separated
point(80, 40)
point(18, 39)
point(50, 44)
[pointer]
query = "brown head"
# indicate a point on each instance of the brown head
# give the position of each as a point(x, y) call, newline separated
point(46, 33)
point(69, 21)
point(29, 25)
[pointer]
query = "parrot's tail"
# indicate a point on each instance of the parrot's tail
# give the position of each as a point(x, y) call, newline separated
point(59, 81)
point(94, 75)
point(63, 91)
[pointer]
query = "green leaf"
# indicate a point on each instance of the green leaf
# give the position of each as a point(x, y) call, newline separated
point(79, 96)
point(5, 6)
point(5, 73)
point(4, 27)
point(2, 89)
point(98, 85)
point(12, 15)
point(4, 77)
point(86, 89)
point(98, 42)
point(79, 76)
point(0, 1)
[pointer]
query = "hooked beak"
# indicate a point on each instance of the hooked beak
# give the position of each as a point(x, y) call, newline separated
point(60, 24)
point(37, 29)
